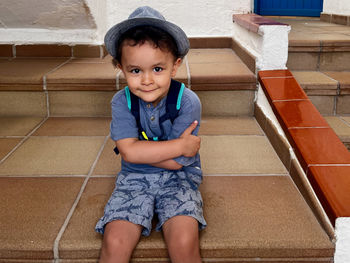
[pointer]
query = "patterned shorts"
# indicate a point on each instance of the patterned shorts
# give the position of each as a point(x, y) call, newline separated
point(137, 197)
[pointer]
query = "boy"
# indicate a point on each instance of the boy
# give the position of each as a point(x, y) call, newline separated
point(160, 161)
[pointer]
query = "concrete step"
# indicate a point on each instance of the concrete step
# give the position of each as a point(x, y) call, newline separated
point(330, 93)
point(317, 45)
point(56, 175)
point(341, 126)
point(328, 90)
point(85, 86)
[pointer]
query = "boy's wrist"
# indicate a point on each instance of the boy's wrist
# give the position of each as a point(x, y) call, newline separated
point(180, 145)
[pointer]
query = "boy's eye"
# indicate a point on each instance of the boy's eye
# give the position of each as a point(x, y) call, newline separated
point(158, 69)
point(135, 71)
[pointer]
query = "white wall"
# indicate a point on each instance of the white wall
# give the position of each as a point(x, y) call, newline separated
point(86, 21)
point(339, 7)
point(269, 45)
point(45, 14)
point(342, 231)
point(98, 11)
point(47, 21)
point(195, 17)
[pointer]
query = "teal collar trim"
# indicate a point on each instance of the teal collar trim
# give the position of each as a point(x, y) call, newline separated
point(178, 104)
point(127, 94)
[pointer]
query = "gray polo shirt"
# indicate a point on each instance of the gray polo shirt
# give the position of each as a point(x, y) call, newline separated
point(124, 125)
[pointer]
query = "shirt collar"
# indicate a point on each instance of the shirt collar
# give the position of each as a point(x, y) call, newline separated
point(160, 104)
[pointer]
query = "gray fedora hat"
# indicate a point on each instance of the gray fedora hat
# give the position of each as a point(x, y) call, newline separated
point(146, 16)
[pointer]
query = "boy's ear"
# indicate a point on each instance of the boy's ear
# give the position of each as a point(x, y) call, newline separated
point(177, 64)
point(115, 63)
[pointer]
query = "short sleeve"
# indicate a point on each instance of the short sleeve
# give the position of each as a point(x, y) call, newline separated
point(123, 123)
point(190, 111)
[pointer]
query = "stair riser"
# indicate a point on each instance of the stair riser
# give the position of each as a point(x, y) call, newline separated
point(97, 103)
point(23, 104)
point(316, 60)
point(331, 105)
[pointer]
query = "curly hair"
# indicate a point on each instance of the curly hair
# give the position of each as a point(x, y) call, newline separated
point(139, 35)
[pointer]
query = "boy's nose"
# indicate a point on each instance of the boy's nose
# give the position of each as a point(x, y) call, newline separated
point(147, 78)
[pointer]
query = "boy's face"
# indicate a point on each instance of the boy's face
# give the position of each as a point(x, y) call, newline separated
point(148, 71)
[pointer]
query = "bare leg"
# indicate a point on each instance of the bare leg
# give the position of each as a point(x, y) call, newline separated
point(182, 238)
point(119, 240)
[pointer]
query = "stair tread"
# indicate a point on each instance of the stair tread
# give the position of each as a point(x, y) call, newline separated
point(247, 216)
point(324, 82)
point(341, 126)
point(315, 80)
point(343, 78)
point(26, 72)
point(224, 150)
point(328, 90)
point(313, 32)
point(206, 66)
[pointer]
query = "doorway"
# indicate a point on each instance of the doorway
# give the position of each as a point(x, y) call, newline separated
point(288, 7)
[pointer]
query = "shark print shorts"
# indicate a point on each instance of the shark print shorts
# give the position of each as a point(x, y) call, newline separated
point(137, 197)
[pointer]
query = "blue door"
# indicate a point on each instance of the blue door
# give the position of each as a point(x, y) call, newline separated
point(288, 7)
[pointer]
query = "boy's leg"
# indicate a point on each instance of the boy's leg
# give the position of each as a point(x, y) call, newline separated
point(182, 238)
point(119, 240)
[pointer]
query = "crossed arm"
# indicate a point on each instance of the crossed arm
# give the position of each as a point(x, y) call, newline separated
point(160, 153)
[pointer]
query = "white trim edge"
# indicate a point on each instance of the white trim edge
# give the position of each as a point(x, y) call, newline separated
point(342, 246)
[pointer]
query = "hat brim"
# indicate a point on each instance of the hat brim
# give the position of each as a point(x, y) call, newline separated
point(114, 33)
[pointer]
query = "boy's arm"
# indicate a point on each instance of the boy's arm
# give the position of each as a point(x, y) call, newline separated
point(168, 164)
point(190, 110)
point(155, 152)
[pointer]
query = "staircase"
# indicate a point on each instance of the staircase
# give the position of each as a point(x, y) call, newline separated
point(57, 166)
point(319, 58)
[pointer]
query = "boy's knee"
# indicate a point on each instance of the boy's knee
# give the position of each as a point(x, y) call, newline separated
point(116, 247)
point(117, 242)
point(184, 243)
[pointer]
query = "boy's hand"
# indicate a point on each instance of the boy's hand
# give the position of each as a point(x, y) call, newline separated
point(191, 143)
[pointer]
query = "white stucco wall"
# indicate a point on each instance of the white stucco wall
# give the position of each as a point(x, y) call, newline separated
point(274, 49)
point(98, 11)
point(196, 17)
point(45, 14)
point(342, 247)
point(340, 7)
point(86, 21)
point(269, 46)
point(47, 21)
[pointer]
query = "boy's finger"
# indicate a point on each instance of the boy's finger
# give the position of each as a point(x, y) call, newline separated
point(191, 128)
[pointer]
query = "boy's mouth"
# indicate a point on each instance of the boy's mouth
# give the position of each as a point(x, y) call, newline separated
point(147, 91)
